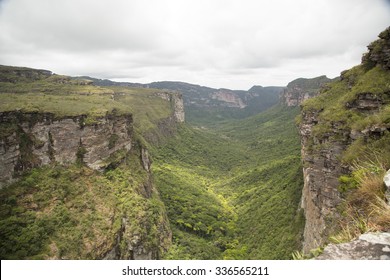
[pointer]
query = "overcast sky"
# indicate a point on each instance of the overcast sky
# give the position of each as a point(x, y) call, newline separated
point(219, 43)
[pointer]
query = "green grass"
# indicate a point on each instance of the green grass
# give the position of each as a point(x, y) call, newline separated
point(337, 114)
point(62, 96)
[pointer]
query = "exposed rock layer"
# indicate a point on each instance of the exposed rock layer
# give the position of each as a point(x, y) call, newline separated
point(38, 139)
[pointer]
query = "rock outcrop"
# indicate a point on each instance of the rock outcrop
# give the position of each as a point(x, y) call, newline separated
point(345, 123)
point(379, 51)
point(177, 103)
point(228, 97)
point(38, 139)
point(302, 89)
point(369, 246)
point(321, 171)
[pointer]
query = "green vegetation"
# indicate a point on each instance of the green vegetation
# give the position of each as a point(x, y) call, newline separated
point(364, 208)
point(214, 114)
point(29, 90)
point(310, 86)
point(230, 189)
point(360, 101)
point(74, 212)
point(234, 191)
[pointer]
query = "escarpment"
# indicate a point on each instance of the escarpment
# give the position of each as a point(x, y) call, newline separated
point(36, 139)
point(75, 170)
point(345, 131)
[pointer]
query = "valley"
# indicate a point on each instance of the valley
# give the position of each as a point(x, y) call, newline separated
point(213, 185)
point(94, 169)
point(223, 190)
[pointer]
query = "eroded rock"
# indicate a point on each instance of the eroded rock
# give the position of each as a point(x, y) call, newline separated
point(369, 246)
point(39, 138)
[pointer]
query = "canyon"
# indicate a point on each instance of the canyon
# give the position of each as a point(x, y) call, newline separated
point(94, 169)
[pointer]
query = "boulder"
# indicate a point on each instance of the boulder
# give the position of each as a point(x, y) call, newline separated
point(369, 246)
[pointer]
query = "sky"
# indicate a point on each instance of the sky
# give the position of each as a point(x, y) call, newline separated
point(218, 43)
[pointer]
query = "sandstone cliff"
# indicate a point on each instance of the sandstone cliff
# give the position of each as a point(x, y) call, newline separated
point(345, 128)
point(177, 104)
point(74, 161)
point(302, 89)
point(40, 139)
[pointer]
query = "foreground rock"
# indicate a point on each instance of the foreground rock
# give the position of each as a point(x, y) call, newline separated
point(369, 246)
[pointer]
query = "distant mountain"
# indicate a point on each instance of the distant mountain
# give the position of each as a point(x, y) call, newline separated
point(205, 104)
point(200, 96)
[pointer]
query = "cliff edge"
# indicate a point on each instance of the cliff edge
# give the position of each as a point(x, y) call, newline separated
point(75, 171)
point(345, 137)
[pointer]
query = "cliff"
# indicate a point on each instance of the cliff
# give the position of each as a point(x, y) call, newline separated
point(302, 89)
point(177, 104)
point(39, 139)
point(75, 170)
point(345, 151)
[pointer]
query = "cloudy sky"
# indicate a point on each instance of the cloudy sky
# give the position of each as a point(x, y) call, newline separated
point(219, 43)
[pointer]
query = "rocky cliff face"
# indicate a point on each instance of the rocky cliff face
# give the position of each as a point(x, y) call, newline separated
point(39, 139)
point(347, 123)
point(177, 103)
point(302, 89)
point(228, 97)
point(321, 171)
point(108, 198)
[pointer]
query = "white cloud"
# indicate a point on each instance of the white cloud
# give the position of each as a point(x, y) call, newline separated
point(219, 43)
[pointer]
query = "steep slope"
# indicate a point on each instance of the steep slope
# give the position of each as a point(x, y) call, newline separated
point(75, 168)
point(346, 150)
